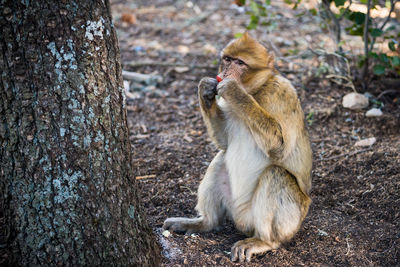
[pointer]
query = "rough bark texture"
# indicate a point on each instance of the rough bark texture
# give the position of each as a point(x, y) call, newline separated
point(67, 188)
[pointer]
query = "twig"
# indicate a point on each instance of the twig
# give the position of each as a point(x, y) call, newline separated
point(347, 10)
point(346, 154)
point(321, 140)
point(392, 4)
point(145, 176)
point(141, 136)
point(188, 188)
point(347, 79)
point(390, 91)
point(366, 50)
point(348, 246)
point(138, 77)
point(336, 21)
point(135, 64)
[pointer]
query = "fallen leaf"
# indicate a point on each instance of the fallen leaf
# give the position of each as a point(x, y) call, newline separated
point(129, 18)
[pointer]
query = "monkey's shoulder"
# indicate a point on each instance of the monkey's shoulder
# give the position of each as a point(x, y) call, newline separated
point(279, 96)
point(279, 88)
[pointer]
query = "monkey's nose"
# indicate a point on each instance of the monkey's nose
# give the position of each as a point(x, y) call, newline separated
point(219, 79)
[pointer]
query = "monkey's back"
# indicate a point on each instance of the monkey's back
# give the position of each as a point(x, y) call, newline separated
point(279, 98)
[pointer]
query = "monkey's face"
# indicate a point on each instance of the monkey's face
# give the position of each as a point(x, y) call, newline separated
point(233, 68)
point(246, 61)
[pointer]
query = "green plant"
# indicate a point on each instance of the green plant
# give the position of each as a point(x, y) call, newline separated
point(310, 117)
point(259, 15)
point(357, 24)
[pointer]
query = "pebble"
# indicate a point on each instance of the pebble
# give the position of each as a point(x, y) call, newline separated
point(366, 142)
point(166, 233)
point(374, 112)
point(355, 101)
point(322, 232)
point(181, 69)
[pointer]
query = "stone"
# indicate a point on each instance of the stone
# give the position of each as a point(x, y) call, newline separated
point(181, 69)
point(366, 142)
point(355, 101)
point(374, 112)
point(166, 233)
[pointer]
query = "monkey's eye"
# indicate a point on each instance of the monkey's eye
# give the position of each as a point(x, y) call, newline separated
point(226, 58)
point(240, 62)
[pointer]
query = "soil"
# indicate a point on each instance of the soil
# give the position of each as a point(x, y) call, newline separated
point(354, 219)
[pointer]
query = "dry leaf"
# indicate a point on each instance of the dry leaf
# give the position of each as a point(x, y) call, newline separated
point(129, 18)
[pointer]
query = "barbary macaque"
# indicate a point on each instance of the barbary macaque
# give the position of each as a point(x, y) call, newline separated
point(261, 177)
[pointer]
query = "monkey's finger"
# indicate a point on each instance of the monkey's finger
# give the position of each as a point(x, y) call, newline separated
point(234, 252)
point(249, 254)
point(208, 82)
point(209, 94)
point(242, 253)
point(208, 102)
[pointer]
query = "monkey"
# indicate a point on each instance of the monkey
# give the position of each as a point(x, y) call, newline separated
point(261, 176)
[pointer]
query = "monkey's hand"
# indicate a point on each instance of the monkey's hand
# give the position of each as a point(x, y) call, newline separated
point(207, 91)
point(231, 90)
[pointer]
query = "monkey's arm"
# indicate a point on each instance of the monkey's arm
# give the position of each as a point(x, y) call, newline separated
point(212, 115)
point(265, 128)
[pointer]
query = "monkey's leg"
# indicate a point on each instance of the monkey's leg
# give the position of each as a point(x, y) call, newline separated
point(278, 208)
point(212, 196)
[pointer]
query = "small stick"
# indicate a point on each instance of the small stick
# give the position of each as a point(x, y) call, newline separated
point(321, 140)
point(348, 246)
point(390, 91)
point(134, 64)
point(137, 77)
point(347, 154)
point(145, 176)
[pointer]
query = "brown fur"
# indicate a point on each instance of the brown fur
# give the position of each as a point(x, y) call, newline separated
point(262, 176)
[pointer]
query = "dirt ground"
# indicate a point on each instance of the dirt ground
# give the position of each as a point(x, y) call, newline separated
point(354, 219)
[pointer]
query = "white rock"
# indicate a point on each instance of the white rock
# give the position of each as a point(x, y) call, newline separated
point(355, 101)
point(322, 233)
point(374, 112)
point(366, 142)
point(209, 49)
point(181, 69)
point(166, 233)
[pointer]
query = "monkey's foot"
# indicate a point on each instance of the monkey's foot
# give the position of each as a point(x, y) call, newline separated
point(184, 225)
point(244, 249)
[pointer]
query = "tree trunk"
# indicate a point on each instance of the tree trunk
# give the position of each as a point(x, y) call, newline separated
point(68, 194)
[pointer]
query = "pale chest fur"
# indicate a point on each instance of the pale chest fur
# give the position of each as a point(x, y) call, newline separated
point(244, 160)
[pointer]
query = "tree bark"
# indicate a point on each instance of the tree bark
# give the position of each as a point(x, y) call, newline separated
point(68, 193)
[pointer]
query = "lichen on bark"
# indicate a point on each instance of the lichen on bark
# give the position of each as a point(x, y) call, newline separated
point(66, 173)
